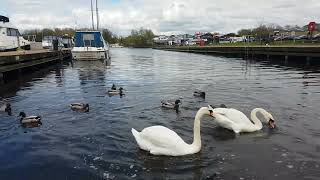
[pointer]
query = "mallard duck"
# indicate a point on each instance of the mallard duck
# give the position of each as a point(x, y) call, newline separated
point(6, 107)
point(113, 87)
point(80, 107)
point(199, 93)
point(30, 120)
point(171, 104)
point(113, 92)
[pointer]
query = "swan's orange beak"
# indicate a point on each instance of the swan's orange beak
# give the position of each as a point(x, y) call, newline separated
point(271, 124)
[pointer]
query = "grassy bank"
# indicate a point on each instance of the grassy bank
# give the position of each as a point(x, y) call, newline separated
point(274, 43)
point(298, 43)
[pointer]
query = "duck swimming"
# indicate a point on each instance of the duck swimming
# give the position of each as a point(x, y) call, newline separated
point(114, 92)
point(80, 107)
point(6, 107)
point(221, 106)
point(199, 93)
point(171, 104)
point(29, 121)
point(113, 87)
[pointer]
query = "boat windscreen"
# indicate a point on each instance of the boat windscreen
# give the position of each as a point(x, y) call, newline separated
point(4, 19)
point(88, 39)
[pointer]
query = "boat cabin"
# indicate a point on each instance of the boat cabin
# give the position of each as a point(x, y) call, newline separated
point(10, 37)
point(89, 39)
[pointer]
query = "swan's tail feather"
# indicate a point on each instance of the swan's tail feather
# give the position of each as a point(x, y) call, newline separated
point(135, 133)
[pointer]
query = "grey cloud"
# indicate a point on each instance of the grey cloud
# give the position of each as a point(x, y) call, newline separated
point(165, 16)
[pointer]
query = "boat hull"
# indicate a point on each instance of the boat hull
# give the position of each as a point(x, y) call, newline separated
point(90, 55)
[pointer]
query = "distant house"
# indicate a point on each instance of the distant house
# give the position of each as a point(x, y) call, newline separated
point(248, 38)
point(161, 40)
point(207, 38)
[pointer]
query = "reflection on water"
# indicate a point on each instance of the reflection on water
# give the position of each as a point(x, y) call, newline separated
point(99, 144)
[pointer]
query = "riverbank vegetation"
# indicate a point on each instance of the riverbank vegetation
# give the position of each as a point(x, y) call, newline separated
point(274, 43)
point(137, 38)
point(267, 30)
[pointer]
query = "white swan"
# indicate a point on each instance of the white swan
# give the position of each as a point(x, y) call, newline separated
point(159, 140)
point(236, 121)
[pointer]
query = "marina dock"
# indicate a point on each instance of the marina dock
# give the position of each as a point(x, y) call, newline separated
point(307, 53)
point(17, 60)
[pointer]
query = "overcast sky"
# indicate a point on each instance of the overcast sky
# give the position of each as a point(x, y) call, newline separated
point(161, 16)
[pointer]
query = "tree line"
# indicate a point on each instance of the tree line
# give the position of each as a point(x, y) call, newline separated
point(264, 31)
point(137, 38)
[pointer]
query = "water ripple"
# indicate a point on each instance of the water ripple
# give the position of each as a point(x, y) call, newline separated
point(99, 144)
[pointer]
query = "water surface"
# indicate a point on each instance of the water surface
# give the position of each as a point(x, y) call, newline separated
point(99, 144)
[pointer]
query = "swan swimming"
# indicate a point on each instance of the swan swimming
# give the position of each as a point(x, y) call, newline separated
point(237, 121)
point(159, 140)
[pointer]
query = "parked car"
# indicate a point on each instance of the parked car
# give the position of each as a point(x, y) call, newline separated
point(317, 36)
point(301, 37)
point(284, 38)
point(277, 38)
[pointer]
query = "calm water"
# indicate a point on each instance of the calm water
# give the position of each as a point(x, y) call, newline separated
point(99, 144)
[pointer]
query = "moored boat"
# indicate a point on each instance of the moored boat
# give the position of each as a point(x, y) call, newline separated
point(10, 37)
point(90, 45)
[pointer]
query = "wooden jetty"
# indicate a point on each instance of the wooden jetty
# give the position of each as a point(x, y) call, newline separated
point(16, 60)
point(306, 53)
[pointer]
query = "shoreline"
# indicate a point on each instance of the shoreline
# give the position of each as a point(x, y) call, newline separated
point(305, 54)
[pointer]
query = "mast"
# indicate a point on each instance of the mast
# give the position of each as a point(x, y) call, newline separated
point(97, 14)
point(92, 16)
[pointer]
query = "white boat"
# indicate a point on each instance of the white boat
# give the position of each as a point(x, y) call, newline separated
point(90, 45)
point(10, 37)
point(67, 41)
point(48, 40)
point(116, 45)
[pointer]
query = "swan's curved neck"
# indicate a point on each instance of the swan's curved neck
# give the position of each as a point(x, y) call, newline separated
point(255, 119)
point(196, 145)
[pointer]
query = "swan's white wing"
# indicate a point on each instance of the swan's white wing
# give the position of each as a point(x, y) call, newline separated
point(233, 115)
point(161, 136)
point(224, 122)
point(161, 140)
